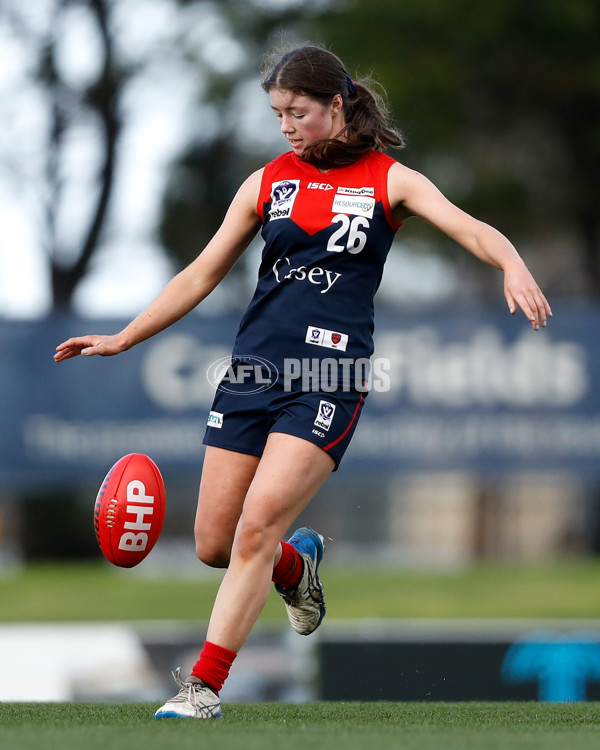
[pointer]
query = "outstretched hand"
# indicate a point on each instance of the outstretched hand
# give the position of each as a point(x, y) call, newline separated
point(520, 288)
point(87, 346)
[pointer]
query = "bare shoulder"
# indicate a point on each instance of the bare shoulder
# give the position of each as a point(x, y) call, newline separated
point(402, 180)
point(253, 181)
point(409, 191)
point(246, 198)
point(255, 177)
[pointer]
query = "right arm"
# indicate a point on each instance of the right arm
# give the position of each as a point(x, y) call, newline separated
point(186, 290)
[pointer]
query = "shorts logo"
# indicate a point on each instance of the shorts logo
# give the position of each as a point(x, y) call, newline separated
point(215, 419)
point(283, 196)
point(329, 339)
point(325, 415)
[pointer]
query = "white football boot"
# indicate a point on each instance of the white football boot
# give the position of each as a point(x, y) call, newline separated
point(193, 701)
point(305, 604)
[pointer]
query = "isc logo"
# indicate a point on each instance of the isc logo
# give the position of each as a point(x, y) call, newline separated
point(319, 186)
point(138, 506)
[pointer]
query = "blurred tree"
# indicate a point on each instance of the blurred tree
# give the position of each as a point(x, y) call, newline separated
point(68, 103)
point(99, 100)
point(84, 68)
point(209, 170)
point(500, 102)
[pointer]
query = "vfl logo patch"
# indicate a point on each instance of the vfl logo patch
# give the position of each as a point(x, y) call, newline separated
point(283, 196)
point(329, 339)
point(215, 419)
point(325, 415)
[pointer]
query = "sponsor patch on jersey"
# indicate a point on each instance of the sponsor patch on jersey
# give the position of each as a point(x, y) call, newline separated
point(320, 186)
point(215, 419)
point(325, 415)
point(329, 339)
point(320, 277)
point(356, 191)
point(283, 197)
point(355, 205)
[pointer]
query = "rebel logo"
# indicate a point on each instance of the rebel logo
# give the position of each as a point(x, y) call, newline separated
point(336, 338)
point(324, 415)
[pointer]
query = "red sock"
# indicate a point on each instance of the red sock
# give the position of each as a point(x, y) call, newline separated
point(288, 570)
point(213, 665)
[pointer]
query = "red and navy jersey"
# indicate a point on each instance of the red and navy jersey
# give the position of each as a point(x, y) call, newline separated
point(327, 236)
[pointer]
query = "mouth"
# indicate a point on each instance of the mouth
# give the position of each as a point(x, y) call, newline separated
point(295, 143)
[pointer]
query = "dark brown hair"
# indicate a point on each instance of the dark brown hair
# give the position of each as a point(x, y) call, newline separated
point(316, 72)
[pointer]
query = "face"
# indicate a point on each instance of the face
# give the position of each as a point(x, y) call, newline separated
point(305, 120)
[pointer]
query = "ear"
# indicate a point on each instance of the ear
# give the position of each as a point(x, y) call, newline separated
point(337, 104)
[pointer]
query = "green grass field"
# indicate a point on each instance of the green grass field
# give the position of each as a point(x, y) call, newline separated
point(325, 726)
point(90, 591)
point(96, 591)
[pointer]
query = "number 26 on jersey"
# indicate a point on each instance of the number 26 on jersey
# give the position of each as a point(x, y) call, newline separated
point(349, 235)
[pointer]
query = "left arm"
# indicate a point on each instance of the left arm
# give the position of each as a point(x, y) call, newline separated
point(412, 194)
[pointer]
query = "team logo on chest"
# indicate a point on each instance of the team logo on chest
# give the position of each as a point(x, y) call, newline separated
point(283, 196)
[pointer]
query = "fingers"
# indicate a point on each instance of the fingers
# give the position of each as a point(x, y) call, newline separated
point(543, 308)
point(67, 350)
point(536, 308)
point(512, 307)
point(85, 345)
point(520, 288)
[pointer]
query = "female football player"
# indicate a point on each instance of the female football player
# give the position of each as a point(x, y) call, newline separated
point(328, 210)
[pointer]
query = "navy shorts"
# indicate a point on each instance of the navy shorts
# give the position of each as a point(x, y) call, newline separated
point(241, 421)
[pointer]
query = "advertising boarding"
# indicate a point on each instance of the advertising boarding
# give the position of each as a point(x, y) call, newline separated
point(472, 389)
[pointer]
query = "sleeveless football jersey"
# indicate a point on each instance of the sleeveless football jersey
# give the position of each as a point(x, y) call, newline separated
point(327, 235)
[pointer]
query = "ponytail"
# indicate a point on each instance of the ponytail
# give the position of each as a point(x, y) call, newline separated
point(366, 129)
point(318, 73)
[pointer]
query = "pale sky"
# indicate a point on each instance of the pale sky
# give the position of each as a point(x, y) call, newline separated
point(160, 114)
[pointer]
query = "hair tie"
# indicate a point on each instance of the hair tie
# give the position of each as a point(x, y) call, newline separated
point(351, 85)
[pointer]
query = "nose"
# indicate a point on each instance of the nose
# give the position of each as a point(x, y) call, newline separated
point(286, 124)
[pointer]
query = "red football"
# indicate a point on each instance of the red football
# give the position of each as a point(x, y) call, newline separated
point(130, 510)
